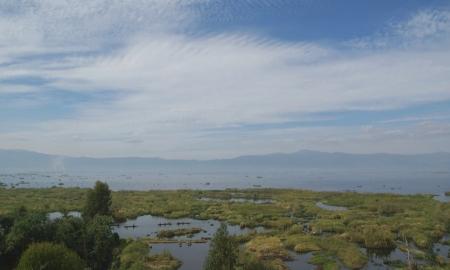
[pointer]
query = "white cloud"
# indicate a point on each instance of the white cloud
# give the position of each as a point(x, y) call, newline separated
point(172, 88)
point(425, 24)
point(425, 29)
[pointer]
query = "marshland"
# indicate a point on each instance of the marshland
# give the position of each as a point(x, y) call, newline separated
point(332, 230)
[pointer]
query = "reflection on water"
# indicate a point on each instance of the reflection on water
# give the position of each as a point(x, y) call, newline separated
point(300, 261)
point(442, 248)
point(390, 258)
point(150, 225)
point(57, 215)
point(192, 257)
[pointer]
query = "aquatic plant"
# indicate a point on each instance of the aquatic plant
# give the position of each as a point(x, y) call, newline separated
point(136, 256)
point(378, 237)
point(267, 247)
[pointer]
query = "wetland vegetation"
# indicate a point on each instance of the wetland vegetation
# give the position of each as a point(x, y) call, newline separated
point(347, 236)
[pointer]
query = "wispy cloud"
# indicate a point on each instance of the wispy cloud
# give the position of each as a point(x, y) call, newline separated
point(429, 28)
point(168, 90)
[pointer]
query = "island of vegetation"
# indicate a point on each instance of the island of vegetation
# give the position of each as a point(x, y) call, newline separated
point(293, 221)
point(178, 232)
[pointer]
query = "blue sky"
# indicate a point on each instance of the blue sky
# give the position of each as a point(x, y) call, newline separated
point(211, 79)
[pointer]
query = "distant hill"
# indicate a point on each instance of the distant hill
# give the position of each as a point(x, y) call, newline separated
point(30, 161)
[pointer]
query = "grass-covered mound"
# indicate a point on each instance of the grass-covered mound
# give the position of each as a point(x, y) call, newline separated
point(335, 247)
point(267, 247)
point(135, 256)
point(189, 232)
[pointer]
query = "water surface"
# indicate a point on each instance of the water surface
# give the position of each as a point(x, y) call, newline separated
point(402, 182)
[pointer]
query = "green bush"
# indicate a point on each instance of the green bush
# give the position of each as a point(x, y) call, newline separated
point(389, 209)
point(48, 256)
point(31, 227)
point(134, 253)
point(249, 262)
point(222, 253)
point(378, 237)
point(135, 256)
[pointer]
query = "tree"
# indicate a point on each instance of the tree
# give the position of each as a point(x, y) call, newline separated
point(98, 201)
point(223, 251)
point(32, 227)
point(70, 231)
point(48, 256)
point(101, 242)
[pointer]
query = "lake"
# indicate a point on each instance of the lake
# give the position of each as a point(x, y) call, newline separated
point(402, 182)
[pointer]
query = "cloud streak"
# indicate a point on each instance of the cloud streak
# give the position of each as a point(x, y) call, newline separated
point(174, 94)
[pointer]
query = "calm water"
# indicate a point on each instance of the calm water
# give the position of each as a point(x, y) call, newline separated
point(403, 182)
point(149, 226)
point(443, 250)
point(193, 255)
point(300, 261)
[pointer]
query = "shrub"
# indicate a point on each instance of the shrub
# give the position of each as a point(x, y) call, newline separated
point(377, 237)
point(389, 209)
point(48, 256)
point(133, 253)
point(267, 248)
point(222, 253)
point(32, 227)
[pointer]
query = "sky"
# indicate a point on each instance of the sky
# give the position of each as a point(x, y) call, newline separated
point(202, 79)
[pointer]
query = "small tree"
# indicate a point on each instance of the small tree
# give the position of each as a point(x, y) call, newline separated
point(47, 256)
point(101, 242)
point(223, 251)
point(98, 201)
point(70, 231)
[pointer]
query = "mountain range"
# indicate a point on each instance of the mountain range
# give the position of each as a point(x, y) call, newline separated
point(22, 160)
